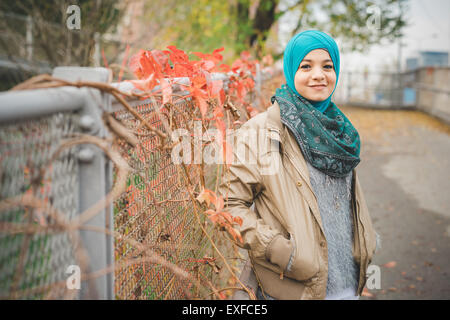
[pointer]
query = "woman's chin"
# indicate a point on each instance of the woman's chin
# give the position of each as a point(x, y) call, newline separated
point(314, 98)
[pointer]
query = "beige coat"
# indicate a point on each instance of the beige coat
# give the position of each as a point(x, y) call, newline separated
point(270, 171)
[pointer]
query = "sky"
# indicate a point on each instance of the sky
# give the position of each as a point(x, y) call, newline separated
point(428, 29)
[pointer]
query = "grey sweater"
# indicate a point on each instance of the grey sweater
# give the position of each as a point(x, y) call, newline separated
point(334, 201)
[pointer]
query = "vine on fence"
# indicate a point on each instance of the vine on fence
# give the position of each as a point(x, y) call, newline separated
point(157, 72)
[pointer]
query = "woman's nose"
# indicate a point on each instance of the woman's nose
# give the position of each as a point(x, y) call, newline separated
point(318, 74)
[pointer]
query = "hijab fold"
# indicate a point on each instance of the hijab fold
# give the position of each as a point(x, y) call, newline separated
point(326, 137)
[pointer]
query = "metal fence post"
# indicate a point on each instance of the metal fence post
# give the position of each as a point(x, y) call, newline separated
point(95, 181)
point(29, 38)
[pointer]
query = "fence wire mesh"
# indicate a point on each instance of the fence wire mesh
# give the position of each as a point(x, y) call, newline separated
point(157, 212)
point(32, 263)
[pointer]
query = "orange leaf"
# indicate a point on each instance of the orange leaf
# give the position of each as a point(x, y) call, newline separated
point(234, 233)
point(224, 68)
point(245, 55)
point(218, 112)
point(207, 196)
point(227, 216)
point(390, 264)
point(366, 293)
point(238, 220)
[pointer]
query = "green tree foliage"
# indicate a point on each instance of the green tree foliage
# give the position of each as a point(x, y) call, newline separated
point(248, 24)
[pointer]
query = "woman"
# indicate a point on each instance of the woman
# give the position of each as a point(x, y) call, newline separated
point(310, 235)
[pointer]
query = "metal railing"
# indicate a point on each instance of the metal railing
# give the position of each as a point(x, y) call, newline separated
point(388, 90)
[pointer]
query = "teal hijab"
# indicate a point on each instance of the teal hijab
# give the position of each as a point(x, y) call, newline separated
point(326, 137)
point(298, 47)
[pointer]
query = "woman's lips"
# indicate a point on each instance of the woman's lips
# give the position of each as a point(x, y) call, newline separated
point(318, 87)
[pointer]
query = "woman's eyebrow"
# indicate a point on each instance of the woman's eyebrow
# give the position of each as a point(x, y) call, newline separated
point(326, 60)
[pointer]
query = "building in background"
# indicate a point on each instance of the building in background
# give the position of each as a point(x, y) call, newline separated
point(427, 59)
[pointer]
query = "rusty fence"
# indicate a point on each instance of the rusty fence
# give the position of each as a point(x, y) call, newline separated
point(40, 262)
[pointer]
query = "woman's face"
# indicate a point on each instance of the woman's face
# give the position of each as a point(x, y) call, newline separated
point(315, 78)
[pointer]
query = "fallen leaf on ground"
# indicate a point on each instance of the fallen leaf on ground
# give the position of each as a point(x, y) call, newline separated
point(390, 264)
point(366, 293)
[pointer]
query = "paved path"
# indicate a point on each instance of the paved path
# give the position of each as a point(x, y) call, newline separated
point(405, 176)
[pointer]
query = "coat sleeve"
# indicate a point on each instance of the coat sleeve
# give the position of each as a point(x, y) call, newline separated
point(240, 186)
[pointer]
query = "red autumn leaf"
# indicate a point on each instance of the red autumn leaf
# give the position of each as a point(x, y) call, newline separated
point(219, 203)
point(224, 68)
point(241, 90)
point(234, 233)
point(249, 83)
point(212, 215)
point(221, 126)
point(218, 112)
point(217, 55)
point(181, 70)
point(245, 55)
point(176, 55)
point(227, 216)
point(238, 220)
point(207, 196)
point(366, 293)
point(222, 97)
point(214, 88)
point(145, 84)
point(207, 65)
point(143, 64)
point(237, 64)
point(135, 65)
point(390, 264)
point(161, 58)
point(198, 82)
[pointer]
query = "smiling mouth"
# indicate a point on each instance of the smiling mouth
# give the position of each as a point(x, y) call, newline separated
point(318, 87)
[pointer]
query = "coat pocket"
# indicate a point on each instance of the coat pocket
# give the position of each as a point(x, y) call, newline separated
point(305, 262)
point(279, 251)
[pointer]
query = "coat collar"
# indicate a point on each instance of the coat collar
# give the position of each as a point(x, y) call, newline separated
point(280, 132)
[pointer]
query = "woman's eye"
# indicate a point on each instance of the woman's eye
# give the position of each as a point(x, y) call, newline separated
point(305, 66)
point(328, 66)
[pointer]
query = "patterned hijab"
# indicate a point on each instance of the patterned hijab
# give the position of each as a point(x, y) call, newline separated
point(326, 137)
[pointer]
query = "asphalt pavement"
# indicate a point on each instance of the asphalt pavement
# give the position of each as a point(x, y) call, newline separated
point(404, 173)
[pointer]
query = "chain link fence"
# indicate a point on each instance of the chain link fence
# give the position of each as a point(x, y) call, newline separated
point(155, 210)
point(30, 260)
